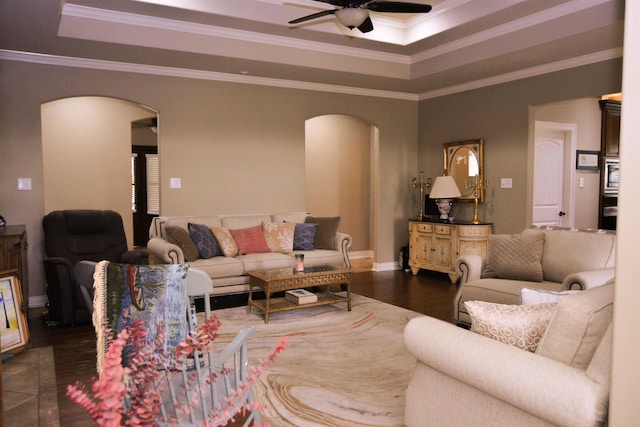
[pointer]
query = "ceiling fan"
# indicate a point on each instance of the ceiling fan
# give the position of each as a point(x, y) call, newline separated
point(355, 13)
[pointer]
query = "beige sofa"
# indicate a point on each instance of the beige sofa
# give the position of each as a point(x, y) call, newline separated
point(228, 274)
point(463, 378)
point(566, 259)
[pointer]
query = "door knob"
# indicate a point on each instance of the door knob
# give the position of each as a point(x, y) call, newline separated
point(561, 213)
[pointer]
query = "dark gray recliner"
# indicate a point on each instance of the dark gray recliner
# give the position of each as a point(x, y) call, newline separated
point(71, 236)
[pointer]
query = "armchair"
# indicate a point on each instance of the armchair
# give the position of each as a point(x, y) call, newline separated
point(74, 235)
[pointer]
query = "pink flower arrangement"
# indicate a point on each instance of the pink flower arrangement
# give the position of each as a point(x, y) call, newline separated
point(137, 381)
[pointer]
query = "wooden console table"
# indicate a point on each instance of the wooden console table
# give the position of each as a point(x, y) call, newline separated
point(435, 245)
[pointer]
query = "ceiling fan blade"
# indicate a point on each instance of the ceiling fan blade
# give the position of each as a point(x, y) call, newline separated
point(366, 26)
point(398, 7)
point(313, 16)
point(345, 3)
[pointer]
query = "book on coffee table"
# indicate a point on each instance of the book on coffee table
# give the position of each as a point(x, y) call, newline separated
point(301, 296)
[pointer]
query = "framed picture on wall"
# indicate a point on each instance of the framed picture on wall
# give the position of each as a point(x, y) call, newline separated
point(587, 160)
point(14, 330)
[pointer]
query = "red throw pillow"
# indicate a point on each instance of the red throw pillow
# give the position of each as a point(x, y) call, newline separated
point(250, 240)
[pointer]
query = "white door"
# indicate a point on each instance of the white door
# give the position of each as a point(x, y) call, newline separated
point(552, 172)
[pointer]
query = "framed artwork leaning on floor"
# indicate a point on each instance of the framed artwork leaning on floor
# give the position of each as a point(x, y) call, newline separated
point(14, 330)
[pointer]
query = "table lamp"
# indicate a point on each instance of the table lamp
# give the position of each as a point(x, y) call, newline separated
point(444, 191)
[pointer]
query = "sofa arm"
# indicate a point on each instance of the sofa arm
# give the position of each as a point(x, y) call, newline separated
point(545, 388)
point(342, 244)
point(588, 279)
point(165, 252)
point(469, 267)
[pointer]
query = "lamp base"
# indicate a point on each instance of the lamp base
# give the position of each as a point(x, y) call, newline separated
point(444, 206)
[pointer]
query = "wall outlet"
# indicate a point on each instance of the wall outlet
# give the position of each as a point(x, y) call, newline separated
point(24, 183)
point(506, 183)
point(175, 183)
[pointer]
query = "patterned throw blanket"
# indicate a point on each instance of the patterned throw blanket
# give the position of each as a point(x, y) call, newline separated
point(155, 294)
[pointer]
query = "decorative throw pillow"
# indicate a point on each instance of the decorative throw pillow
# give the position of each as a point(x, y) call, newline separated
point(303, 236)
point(279, 235)
point(250, 240)
point(326, 232)
point(515, 256)
point(225, 240)
point(578, 326)
point(180, 237)
point(530, 296)
point(203, 239)
point(521, 326)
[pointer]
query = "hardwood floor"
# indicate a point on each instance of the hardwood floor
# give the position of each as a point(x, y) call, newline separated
point(74, 347)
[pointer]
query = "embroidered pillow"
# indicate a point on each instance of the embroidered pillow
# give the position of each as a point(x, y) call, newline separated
point(250, 240)
point(521, 326)
point(180, 237)
point(515, 257)
point(304, 236)
point(326, 232)
point(279, 236)
point(226, 243)
point(204, 241)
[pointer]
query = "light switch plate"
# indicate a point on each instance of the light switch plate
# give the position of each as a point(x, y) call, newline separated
point(24, 183)
point(506, 183)
point(175, 183)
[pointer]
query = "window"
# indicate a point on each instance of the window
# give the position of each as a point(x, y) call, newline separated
point(134, 207)
point(153, 184)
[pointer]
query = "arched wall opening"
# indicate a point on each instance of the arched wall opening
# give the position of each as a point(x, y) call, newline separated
point(339, 175)
point(86, 154)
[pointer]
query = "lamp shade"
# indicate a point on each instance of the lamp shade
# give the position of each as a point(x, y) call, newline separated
point(444, 187)
point(352, 17)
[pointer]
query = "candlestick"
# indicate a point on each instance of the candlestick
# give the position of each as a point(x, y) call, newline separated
point(421, 185)
point(475, 183)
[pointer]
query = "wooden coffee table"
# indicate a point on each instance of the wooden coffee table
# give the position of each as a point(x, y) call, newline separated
point(285, 279)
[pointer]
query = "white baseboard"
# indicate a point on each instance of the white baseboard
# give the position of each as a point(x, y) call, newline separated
point(360, 254)
point(386, 266)
point(38, 301)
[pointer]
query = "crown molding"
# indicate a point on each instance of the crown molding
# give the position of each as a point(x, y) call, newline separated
point(551, 67)
point(511, 27)
point(98, 64)
point(116, 17)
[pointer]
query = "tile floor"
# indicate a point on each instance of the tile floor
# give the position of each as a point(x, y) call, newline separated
point(29, 389)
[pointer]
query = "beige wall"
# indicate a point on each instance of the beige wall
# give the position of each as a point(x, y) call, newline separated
point(86, 152)
point(585, 113)
point(237, 148)
point(338, 173)
point(500, 115)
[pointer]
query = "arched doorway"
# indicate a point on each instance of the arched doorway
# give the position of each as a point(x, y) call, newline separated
point(86, 154)
point(338, 175)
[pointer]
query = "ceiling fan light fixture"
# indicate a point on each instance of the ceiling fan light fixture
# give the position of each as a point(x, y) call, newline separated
point(352, 17)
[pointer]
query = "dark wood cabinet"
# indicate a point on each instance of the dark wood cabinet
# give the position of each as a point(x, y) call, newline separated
point(13, 257)
point(610, 132)
point(610, 149)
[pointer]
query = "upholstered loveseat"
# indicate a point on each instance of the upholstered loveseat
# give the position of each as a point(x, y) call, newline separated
point(545, 258)
point(464, 378)
point(178, 240)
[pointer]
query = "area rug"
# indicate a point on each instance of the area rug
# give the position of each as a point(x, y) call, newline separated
point(340, 368)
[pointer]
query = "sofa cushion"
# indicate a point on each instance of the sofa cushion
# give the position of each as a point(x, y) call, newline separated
point(180, 237)
point(289, 217)
point(250, 240)
point(326, 232)
point(515, 256)
point(571, 251)
point(304, 236)
point(521, 326)
point(225, 240)
point(531, 296)
point(233, 222)
point(578, 326)
point(203, 239)
point(266, 261)
point(279, 235)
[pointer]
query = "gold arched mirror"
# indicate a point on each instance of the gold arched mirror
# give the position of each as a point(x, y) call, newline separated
point(463, 161)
